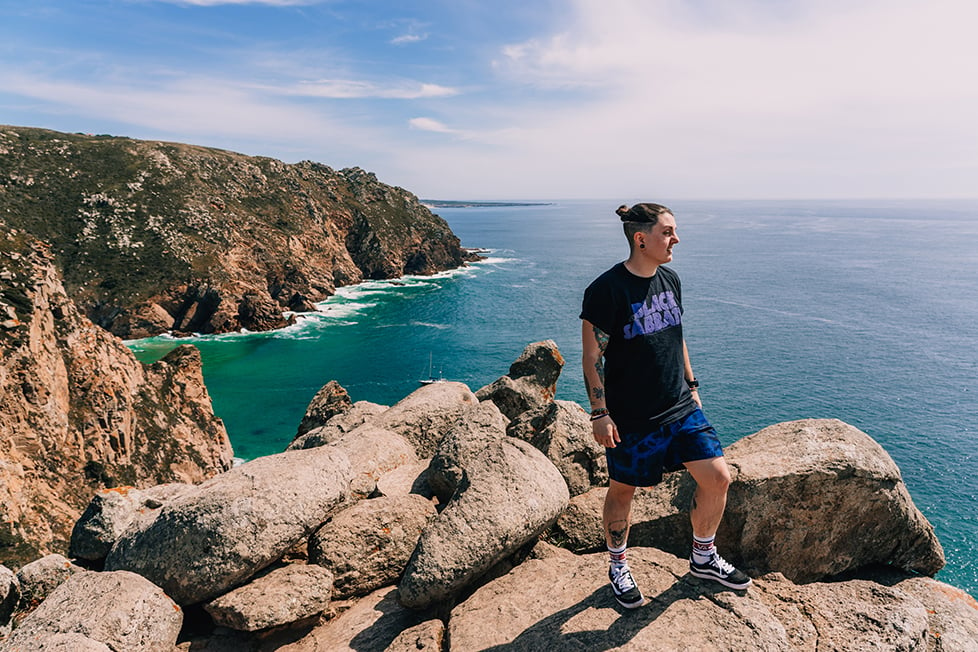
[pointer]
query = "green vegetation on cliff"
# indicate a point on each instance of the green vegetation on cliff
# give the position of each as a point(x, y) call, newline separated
point(154, 236)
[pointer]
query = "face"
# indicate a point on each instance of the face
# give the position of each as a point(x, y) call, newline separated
point(660, 240)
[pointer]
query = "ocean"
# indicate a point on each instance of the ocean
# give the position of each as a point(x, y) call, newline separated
point(864, 311)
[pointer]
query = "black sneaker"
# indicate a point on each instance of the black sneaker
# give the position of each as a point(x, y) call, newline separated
point(720, 571)
point(626, 593)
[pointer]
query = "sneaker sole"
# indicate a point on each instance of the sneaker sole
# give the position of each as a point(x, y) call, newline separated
point(631, 605)
point(727, 583)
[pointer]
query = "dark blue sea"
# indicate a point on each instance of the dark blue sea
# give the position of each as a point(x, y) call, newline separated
point(865, 311)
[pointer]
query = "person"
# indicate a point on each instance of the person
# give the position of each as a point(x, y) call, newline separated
point(645, 403)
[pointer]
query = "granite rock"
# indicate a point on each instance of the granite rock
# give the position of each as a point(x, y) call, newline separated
point(120, 610)
point(215, 538)
point(284, 595)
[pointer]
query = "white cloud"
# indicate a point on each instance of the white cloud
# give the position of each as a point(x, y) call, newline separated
point(202, 111)
point(827, 98)
point(429, 124)
point(408, 38)
point(666, 98)
point(352, 89)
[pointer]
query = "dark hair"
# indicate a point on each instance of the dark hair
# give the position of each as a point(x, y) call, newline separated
point(640, 217)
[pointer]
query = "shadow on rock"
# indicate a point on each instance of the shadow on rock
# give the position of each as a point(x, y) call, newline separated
point(550, 634)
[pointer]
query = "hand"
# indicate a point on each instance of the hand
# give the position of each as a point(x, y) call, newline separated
point(696, 396)
point(605, 432)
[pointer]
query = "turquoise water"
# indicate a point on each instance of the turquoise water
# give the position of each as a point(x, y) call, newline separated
point(861, 311)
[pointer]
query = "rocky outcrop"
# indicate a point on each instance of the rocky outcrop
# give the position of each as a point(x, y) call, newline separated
point(803, 475)
point(481, 426)
point(809, 499)
point(377, 622)
point(40, 577)
point(113, 512)
point(530, 383)
point(478, 571)
point(120, 611)
point(336, 426)
point(368, 545)
point(511, 493)
point(424, 416)
point(285, 595)
point(79, 413)
point(216, 537)
point(689, 614)
point(154, 237)
point(331, 400)
point(562, 431)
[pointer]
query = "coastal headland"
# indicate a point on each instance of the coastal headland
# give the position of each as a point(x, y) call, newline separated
point(153, 237)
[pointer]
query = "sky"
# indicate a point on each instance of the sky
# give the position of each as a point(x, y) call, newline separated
point(526, 99)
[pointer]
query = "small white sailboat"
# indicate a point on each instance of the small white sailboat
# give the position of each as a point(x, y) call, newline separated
point(431, 378)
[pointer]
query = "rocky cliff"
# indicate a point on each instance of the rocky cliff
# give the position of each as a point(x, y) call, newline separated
point(153, 237)
point(442, 524)
point(78, 413)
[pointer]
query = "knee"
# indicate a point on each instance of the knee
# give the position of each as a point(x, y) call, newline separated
point(619, 495)
point(717, 482)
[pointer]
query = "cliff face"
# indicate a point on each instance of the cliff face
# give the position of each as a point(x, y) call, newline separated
point(152, 237)
point(79, 413)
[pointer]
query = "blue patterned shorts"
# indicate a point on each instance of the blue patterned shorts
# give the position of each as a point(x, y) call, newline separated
point(640, 459)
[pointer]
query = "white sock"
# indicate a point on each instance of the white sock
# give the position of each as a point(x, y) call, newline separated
point(617, 556)
point(703, 549)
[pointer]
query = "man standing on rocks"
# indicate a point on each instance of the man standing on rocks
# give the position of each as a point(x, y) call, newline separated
point(645, 405)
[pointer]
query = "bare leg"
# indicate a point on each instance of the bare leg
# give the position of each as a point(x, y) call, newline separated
point(710, 498)
point(617, 507)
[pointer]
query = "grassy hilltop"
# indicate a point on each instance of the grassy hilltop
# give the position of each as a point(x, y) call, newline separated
point(153, 236)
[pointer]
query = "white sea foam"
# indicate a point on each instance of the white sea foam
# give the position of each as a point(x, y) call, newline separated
point(430, 325)
point(341, 309)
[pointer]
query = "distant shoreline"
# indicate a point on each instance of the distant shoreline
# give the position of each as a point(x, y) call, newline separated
point(446, 203)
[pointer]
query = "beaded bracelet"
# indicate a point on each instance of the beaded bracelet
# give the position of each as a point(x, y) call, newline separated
point(597, 413)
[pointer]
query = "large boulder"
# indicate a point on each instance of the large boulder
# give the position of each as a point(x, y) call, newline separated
point(685, 613)
point(372, 453)
point(511, 494)
point(367, 546)
point(562, 431)
point(426, 414)
point(818, 497)
point(112, 512)
point(39, 578)
point(476, 429)
point(329, 401)
point(285, 595)
point(338, 425)
point(531, 381)
point(206, 542)
point(406, 479)
point(120, 610)
point(809, 499)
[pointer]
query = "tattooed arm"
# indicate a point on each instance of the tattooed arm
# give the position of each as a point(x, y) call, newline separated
point(594, 342)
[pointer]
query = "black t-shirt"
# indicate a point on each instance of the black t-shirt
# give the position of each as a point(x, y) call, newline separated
point(644, 368)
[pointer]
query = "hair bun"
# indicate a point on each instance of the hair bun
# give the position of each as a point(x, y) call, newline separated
point(623, 212)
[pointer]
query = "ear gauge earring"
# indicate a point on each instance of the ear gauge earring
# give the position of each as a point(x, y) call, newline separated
point(641, 246)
